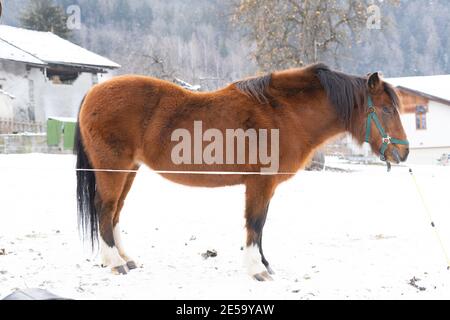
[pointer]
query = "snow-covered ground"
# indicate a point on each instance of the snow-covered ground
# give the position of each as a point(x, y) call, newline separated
point(359, 235)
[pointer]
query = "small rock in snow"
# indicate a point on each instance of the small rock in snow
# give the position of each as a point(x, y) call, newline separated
point(209, 254)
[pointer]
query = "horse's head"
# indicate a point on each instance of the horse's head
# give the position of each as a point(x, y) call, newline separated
point(378, 122)
point(367, 107)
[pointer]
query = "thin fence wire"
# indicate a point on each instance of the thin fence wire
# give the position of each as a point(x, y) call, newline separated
point(402, 171)
point(397, 169)
point(408, 171)
point(430, 217)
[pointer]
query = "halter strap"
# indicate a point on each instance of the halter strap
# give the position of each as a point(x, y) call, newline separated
point(386, 139)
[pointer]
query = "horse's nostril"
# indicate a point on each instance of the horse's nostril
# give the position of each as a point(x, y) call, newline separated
point(396, 155)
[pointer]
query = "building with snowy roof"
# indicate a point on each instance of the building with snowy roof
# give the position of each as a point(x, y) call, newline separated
point(6, 107)
point(425, 116)
point(44, 75)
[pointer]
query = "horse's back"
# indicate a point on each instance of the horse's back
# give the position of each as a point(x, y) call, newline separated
point(121, 94)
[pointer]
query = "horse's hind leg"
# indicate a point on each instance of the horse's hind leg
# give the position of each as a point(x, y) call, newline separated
point(109, 190)
point(258, 195)
point(131, 263)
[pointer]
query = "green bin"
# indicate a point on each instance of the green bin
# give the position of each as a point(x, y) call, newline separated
point(61, 132)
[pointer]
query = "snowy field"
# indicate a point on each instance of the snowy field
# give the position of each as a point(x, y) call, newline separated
point(329, 235)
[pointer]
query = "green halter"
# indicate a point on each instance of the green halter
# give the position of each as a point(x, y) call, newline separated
point(387, 140)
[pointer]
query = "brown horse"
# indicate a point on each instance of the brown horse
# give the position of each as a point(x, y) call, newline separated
point(130, 120)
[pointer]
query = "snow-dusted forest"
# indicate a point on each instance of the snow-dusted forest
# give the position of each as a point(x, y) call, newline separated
point(202, 42)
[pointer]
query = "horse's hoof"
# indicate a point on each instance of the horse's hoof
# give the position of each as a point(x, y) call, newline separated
point(263, 276)
point(132, 265)
point(120, 270)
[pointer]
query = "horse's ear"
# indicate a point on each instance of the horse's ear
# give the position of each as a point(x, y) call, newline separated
point(374, 82)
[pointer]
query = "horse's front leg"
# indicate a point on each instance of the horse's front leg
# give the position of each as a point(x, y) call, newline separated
point(258, 195)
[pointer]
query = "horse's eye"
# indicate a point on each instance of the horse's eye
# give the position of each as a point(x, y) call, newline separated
point(387, 110)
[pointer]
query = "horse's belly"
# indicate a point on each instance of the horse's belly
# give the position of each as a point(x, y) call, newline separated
point(204, 180)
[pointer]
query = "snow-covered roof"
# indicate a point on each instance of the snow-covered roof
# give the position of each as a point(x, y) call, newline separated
point(435, 86)
point(186, 85)
point(47, 48)
point(9, 52)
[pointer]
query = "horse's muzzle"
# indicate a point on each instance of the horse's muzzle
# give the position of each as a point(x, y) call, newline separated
point(400, 158)
point(405, 154)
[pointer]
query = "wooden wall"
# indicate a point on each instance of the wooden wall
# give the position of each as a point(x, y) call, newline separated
point(410, 101)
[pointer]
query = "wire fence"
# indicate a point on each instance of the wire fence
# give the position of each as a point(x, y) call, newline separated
point(9, 126)
point(333, 168)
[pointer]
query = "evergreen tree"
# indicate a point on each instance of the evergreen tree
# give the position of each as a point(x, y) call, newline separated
point(45, 15)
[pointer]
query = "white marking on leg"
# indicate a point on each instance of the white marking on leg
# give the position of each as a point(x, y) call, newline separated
point(252, 260)
point(119, 244)
point(110, 255)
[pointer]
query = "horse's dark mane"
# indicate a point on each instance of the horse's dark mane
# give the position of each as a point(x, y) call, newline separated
point(348, 93)
point(345, 92)
point(255, 87)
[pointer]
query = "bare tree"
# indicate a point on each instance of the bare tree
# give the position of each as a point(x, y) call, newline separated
point(160, 66)
point(290, 33)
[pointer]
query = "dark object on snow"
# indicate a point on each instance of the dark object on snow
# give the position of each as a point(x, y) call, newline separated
point(33, 294)
point(209, 254)
point(413, 282)
point(317, 163)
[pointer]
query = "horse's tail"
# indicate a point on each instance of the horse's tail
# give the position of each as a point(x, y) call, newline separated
point(86, 185)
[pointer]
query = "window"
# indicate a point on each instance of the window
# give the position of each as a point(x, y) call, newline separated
point(61, 76)
point(421, 118)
